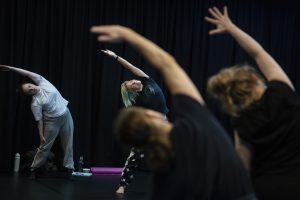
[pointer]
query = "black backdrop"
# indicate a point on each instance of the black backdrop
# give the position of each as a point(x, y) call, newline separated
point(51, 37)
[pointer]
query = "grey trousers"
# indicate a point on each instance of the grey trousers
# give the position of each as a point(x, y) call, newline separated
point(63, 126)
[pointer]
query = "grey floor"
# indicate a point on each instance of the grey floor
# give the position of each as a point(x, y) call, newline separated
point(57, 187)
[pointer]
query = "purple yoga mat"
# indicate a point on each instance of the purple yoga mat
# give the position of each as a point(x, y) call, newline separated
point(106, 170)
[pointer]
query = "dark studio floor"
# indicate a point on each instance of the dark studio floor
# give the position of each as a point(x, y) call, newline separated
point(58, 187)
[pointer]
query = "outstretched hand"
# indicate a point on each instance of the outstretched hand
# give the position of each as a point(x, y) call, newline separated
point(4, 68)
point(109, 33)
point(221, 21)
point(109, 53)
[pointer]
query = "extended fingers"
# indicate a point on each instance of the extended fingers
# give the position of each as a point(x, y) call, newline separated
point(4, 68)
point(104, 31)
point(213, 13)
point(100, 29)
point(211, 20)
point(215, 31)
point(217, 11)
point(225, 11)
point(104, 38)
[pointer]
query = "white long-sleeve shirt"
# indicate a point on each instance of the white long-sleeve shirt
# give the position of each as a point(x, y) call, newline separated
point(48, 101)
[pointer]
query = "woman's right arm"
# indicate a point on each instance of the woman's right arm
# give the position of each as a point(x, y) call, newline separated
point(136, 71)
point(33, 76)
point(268, 66)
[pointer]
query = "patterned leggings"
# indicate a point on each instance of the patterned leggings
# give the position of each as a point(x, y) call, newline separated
point(134, 159)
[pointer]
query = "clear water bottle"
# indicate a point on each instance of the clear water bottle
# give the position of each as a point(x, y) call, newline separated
point(80, 164)
point(17, 162)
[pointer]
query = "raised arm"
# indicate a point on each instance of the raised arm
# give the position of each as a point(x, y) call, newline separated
point(33, 76)
point(268, 66)
point(176, 79)
point(136, 71)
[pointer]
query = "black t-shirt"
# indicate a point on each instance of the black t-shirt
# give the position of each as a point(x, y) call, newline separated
point(205, 164)
point(272, 127)
point(151, 96)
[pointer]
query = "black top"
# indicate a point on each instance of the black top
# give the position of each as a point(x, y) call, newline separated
point(205, 164)
point(151, 96)
point(272, 127)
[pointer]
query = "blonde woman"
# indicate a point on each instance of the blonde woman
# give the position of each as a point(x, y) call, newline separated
point(193, 157)
point(265, 115)
point(143, 92)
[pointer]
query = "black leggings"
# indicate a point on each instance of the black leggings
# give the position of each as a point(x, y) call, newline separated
point(133, 161)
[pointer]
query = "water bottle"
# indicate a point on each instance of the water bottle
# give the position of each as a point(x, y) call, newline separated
point(80, 164)
point(17, 162)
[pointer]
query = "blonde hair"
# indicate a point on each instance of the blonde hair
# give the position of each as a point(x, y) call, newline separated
point(235, 87)
point(128, 97)
point(134, 128)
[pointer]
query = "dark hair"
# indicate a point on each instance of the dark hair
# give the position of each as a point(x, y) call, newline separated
point(19, 89)
point(133, 127)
